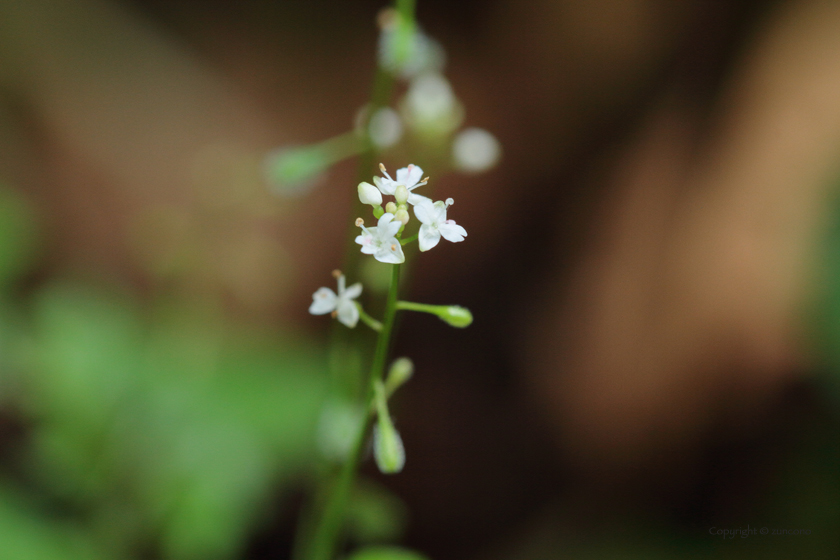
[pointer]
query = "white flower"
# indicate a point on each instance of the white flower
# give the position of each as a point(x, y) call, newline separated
point(435, 224)
point(342, 305)
point(385, 128)
point(409, 177)
point(430, 107)
point(380, 241)
point(475, 150)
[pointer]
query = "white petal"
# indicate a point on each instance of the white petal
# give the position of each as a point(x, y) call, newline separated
point(452, 232)
point(348, 313)
point(323, 301)
point(341, 284)
point(386, 186)
point(424, 211)
point(390, 253)
point(416, 199)
point(413, 174)
point(353, 291)
point(440, 211)
point(392, 229)
point(384, 221)
point(428, 237)
point(366, 241)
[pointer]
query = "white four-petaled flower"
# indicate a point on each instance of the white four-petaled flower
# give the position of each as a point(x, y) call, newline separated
point(435, 224)
point(409, 177)
point(326, 301)
point(380, 240)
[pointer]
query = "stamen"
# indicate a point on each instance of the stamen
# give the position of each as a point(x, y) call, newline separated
point(336, 273)
point(393, 247)
point(382, 168)
point(360, 222)
point(334, 314)
point(426, 180)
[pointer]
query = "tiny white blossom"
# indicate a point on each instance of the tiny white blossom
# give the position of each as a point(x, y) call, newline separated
point(409, 177)
point(342, 305)
point(380, 240)
point(385, 128)
point(475, 150)
point(435, 224)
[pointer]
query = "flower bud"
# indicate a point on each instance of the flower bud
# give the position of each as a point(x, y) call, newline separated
point(456, 316)
point(388, 449)
point(401, 194)
point(391, 208)
point(402, 215)
point(401, 371)
point(369, 194)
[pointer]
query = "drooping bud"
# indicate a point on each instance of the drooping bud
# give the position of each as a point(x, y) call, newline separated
point(391, 208)
point(401, 194)
point(369, 194)
point(388, 449)
point(401, 371)
point(402, 215)
point(455, 315)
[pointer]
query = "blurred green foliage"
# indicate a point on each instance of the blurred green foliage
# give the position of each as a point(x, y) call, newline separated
point(150, 428)
point(386, 553)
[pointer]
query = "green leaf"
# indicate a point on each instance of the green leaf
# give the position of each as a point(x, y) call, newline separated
point(386, 553)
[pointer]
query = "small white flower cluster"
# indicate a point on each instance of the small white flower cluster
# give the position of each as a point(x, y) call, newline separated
point(381, 241)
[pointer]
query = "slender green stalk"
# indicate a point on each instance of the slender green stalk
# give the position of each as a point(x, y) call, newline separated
point(367, 319)
point(328, 530)
point(408, 240)
point(321, 525)
point(422, 307)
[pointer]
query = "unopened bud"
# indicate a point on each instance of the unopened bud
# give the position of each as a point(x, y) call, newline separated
point(391, 207)
point(456, 316)
point(369, 194)
point(388, 447)
point(401, 194)
point(402, 216)
point(401, 371)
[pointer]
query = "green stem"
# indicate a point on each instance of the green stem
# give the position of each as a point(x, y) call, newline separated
point(409, 239)
point(328, 529)
point(422, 307)
point(367, 319)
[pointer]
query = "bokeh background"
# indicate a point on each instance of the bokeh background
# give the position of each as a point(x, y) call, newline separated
point(653, 266)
